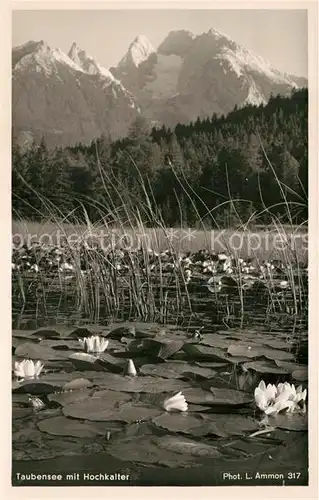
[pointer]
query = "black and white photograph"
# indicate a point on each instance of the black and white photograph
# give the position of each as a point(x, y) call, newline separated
point(159, 170)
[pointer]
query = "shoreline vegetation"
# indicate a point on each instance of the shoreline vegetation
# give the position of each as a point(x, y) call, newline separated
point(141, 285)
point(161, 274)
point(151, 234)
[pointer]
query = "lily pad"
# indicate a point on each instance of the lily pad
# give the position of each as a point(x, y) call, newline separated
point(215, 340)
point(107, 409)
point(203, 425)
point(35, 387)
point(121, 332)
point(30, 350)
point(24, 334)
point(177, 369)
point(247, 351)
point(278, 344)
point(162, 348)
point(259, 351)
point(62, 426)
point(198, 408)
point(198, 351)
point(31, 444)
point(186, 446)
point(179, 422)
point(99, 407)
point(135, 413)
point(233, 425)
point(108, 362)
point(145, 450)
point(20, 399)
point(289, 366)
point(85, 361)
point(276, 354)
point(199, 373)
point(59, 345)
point(265, 366)
point(16, 341)
point(216, 397)
point(69, 397)
point(78, 383)
point(300, 375)
point(115, 382)
point(171, 369)
point(137, 330)
point(46, 384)
point(19, 412)
point(46, 333)
point(136, 346)
point(212, 364)
point(61, 377)
point(62, 344)
point(290, 421)
point(87, 331)
point(169, 451)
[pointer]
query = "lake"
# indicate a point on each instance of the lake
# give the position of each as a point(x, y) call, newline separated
point(212, 337)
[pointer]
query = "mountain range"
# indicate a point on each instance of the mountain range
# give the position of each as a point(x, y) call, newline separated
point(70, 98)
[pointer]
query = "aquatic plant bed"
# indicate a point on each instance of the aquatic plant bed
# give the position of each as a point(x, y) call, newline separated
point(153, 286)
point(87, 416)
point(224, 267)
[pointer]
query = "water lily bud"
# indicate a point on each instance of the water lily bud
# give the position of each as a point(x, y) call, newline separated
point(36, 403)
point(130, 369)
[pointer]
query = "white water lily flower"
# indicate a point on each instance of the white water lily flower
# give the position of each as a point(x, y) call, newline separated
point(288, 406)
point(264, 396)
point(66, 266)
point(176, 403)
point(301, 394)
point(273, 399)
point(291, 393)
point(94, 344)
point(27, 368)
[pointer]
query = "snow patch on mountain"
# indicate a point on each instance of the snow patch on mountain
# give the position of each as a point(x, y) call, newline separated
point(218, 34)
point(26, 47)
point(64, 59)
point(44, 59)
point(138, 52)
point(242, 60)
point(166, 70)
point(254, 96)
point(87, 63)
point(39, 57)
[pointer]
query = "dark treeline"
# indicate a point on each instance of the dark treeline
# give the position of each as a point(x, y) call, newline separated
point(187, 172)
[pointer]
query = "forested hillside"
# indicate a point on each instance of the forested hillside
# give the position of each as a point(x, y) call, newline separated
point(186, 172)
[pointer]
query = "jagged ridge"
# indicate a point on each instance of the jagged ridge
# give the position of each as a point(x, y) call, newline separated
point(188, 76)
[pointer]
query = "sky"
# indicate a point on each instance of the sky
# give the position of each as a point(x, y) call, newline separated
point(279, 36)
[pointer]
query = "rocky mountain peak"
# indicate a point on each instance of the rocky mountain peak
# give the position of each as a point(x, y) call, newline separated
point(177, 43)
point(71, 98)
point(87, 63)
point(138, 52)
